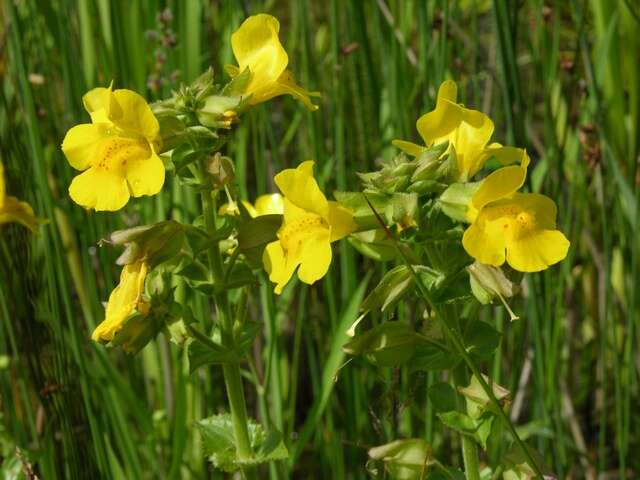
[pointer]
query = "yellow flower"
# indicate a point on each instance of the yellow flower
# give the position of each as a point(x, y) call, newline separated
point(467, 131)
point(517, 227)
point(117, 151)
point(268, 204)
point(123, 301)
point(13, 210)
point(257, 47)
point(310, 224)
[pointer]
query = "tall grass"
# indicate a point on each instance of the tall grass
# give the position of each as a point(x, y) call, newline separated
point(561, 78)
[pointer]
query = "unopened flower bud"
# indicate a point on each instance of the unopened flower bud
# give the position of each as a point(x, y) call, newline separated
point(152, 243)
point(222, 170)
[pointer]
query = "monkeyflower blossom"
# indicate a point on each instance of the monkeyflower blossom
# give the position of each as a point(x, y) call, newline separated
point(309, 226)
point(467, 131)
point(517, 227)
point(126, 299)
point(257, 47)
point(117, 151)
point(14, 210)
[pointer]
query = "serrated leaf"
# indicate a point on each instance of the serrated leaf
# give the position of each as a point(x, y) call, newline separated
point(218, 440)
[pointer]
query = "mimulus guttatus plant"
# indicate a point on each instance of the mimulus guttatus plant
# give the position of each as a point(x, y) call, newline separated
point(117, 151)
point(458, 241)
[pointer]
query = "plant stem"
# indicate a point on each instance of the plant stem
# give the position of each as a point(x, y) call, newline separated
point(469, 446)
point(470, 457)
point(231, 371)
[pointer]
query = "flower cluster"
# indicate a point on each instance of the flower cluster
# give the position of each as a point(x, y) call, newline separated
point(505, 224)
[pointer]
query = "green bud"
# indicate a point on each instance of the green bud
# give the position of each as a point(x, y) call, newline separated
point(218, 111)
point(477, 399)
point(455, 200)
point(222, 171)
point(154, 243)
point(404, 459)
point(388, 345)
point(489, 282)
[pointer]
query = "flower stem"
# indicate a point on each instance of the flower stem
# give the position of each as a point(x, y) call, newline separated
point(231, 371)
point(469, 446)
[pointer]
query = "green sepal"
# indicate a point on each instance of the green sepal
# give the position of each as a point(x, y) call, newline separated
point(388, 345)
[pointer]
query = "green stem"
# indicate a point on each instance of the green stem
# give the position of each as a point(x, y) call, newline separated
point(470, 457)
point(231, 371)
point(469, 446)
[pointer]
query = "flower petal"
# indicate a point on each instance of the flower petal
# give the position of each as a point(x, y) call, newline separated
point(100, 190)
point(79, 144)
point(484, 243)
point(135, 115)
point(301, 189)
point(269, 204)
point(409, 148)
point(341, 221)
point(101, 105)
point(124, 299)
point(145, 175)
point(437, 124)
point(501, 183)
point(288, 85)
point(256, 45)
point(469, 140)
point(279, 268)
point(315, 258)
point(537, 251)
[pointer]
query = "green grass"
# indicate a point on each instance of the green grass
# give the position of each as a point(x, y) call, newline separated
point(561, 78)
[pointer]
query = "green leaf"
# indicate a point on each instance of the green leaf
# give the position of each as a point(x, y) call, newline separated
point(429, 357)
point(481, 340)
point(388, 345)
point(442, 396)
point(459, 422)
point(218, 441)
point(206, 351)
point(258, 231)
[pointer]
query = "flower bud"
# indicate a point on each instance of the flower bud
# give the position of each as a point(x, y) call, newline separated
point(489, 282)
point(477, 399)
point(222, 171)
point(218, 111)
point(409, 458)
point(455, 200)
point(153, 243)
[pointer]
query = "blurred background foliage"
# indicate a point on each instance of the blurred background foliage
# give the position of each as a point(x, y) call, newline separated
point(558, 77)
